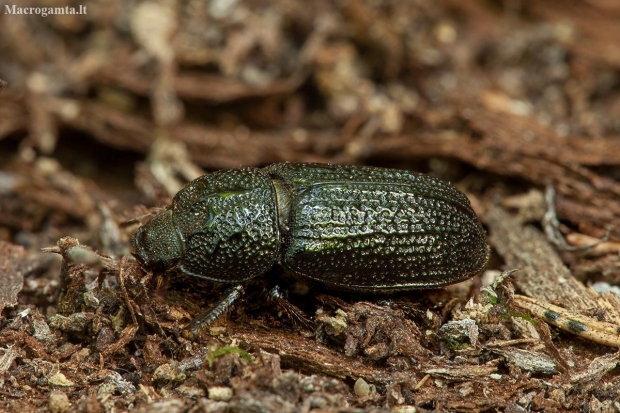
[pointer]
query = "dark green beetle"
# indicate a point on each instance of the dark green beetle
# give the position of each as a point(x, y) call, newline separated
point(350, 228)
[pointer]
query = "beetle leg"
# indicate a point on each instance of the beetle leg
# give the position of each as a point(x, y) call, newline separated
point(211, 316)
point(293, 312)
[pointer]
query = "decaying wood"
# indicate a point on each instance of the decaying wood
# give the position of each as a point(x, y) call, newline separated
point(544, 277)
point(12, 263)
point(542, 273)
point(587, 327)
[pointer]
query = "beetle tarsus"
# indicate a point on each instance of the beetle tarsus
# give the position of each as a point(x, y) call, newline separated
point(206, 319)
point(293, 312)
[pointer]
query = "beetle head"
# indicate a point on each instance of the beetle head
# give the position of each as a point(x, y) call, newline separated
point(156, 245)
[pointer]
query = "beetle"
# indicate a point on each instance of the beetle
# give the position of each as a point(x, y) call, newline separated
point(349, 228)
